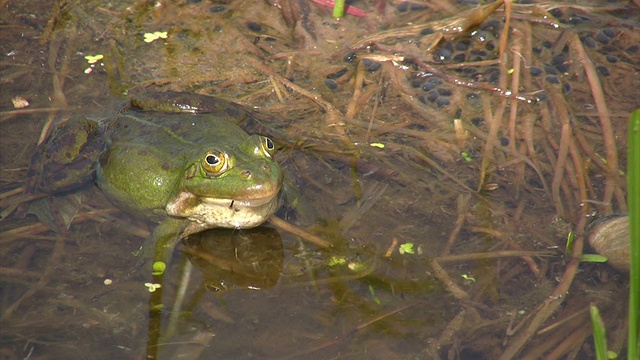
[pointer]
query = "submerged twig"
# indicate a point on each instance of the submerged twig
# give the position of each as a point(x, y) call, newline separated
point(354, 331)
point(305, 235)
point(459, 24)
point(549, 306)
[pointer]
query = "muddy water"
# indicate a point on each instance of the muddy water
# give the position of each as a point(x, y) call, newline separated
point(379, 166)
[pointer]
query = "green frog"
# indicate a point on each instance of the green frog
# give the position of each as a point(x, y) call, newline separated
point(178, 159)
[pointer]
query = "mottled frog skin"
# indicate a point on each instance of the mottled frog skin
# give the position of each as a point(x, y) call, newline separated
point(174, 158)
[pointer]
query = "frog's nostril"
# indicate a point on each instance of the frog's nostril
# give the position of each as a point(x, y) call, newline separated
point(246, 174)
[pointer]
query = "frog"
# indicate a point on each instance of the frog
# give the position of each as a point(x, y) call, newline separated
point(179, 160)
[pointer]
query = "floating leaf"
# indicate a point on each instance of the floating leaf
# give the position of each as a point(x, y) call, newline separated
point(92, 59)
point(158, 268)
point(337, 260)
point(152, 287)
point(406, 248)
point(469, 278)
point(149, 37)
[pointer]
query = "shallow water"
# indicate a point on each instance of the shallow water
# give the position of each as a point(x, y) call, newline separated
point(378, 167)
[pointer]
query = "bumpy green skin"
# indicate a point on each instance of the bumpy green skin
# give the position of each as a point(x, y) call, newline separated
point(152, 164)
point(148, 157)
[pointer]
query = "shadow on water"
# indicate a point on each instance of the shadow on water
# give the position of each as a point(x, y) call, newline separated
point(445, 180)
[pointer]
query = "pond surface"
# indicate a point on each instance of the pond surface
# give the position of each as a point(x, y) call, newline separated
point(445, 180)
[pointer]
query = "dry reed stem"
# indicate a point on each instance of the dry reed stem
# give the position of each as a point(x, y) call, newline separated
point(585, 145)
point(560, 323)
point(9, 274)
point(528, 124)
point(517, 215)
point(463, 208)
point(507, 239)
point(520, 175)
point(11, 193)
point(516, 48)
point(338, 339)
point(496, 121)
point(295, 230)
point(392, 247)
point(551, 304)
point(24, 231)
point(491, 255)
point(550, 342)
point(33, 229)
point(276, 88)
point(611, 187)
point(374, 111)
point(448, 283)
point(504, 35)
point(59, 76)
point(6, 115)
point(55, 258)
point(579, 174)
point(548, 127)
point(575, 173)
point(467, 64)
point(487, 151)
point(572, 342)
point(457, 25)
point(500, 91)
point(447, 335)
point(558, 172)
point(327, 106)
point(435, 165)
point(476, 132)
point(357, 90)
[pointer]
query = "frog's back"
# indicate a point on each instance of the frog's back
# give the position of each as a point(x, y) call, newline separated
point(171, 133)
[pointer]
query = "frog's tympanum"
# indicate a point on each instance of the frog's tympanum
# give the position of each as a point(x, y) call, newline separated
point(177, 159)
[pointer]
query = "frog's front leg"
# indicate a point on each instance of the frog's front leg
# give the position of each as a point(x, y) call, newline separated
point(67, 159)
point(159, 247)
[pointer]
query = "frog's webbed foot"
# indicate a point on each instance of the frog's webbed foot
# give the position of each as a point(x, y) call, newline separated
point(67, 159)
point(157, 250)
point(56, 212)
point(64, 162)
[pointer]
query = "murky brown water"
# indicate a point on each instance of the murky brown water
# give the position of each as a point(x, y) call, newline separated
point(379, 165)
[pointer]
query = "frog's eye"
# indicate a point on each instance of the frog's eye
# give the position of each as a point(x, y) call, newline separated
point(215, 163)
point(268, 146)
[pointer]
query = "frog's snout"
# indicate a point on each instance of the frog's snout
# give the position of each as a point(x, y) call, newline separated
point(246, 174)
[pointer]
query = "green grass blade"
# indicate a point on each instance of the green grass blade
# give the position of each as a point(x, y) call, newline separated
point(633, 188)
point(338, 9)
point(599, 337)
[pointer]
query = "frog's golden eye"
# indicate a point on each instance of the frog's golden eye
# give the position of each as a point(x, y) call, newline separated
point(268, 146)
point(215, 163)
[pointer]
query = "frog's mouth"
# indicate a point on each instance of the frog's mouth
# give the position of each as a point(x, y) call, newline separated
point(208, 213)
point(247, 203)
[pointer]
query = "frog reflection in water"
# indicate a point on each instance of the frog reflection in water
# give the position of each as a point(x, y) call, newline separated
point(177, 159)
